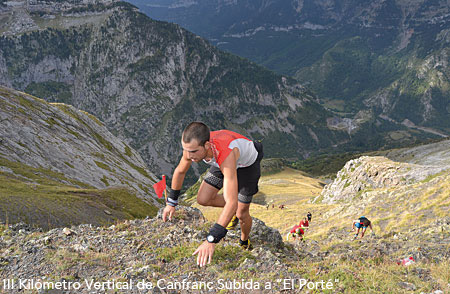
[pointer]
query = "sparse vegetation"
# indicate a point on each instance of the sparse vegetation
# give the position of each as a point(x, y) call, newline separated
point(324, 165)
point(103, 166)
point(37, 196)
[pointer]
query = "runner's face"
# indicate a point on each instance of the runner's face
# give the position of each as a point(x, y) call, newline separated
point(194, 151)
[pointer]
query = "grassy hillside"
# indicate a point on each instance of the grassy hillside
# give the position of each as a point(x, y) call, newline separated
point(37, 197)
point(291, 188)
point(60, 166)
point(153, 250)
point(421, 204)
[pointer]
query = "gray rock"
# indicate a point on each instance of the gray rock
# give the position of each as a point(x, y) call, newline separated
point(407, 286)
point(68, 141)
point(368, 173)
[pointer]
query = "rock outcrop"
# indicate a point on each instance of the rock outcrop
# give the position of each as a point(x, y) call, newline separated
point(395, 195)
point(369, 173)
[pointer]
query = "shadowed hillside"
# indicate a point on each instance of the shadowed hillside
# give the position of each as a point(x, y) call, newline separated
point(60, 166)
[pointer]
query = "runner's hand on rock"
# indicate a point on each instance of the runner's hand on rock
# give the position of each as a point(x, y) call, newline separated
point(204, 253)
point(169, 211)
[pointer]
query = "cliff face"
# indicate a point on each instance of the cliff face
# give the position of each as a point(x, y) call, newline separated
point(389, 56)
point(61, 166)
point(146, 80)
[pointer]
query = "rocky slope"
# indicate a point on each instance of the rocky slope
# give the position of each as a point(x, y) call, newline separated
point(390, 56)
point(121, 256)
point(371, 173)
point(393, 194)
point(55, 145)
point(146, 80)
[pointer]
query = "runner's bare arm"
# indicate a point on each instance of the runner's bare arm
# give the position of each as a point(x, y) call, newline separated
point(180, 171)
point(177, 183)
point(230, 192)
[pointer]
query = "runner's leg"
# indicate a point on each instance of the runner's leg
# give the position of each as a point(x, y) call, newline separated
point(208, 196)
point(363, 231)
point(243, 214)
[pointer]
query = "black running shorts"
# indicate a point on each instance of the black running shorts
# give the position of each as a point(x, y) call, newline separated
point(248, 177)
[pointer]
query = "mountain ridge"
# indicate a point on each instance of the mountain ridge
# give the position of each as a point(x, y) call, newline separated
point(386, 56)
point(60, 166)
point(161, 78)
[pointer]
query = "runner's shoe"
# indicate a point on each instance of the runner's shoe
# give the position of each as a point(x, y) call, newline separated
point(233, 223)
point(246, 245)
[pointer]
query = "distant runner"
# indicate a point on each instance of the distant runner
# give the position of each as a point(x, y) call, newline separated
point(361, 223)
point(309, 215)
point(296, 232)
point(304, 223)
point(235, 166)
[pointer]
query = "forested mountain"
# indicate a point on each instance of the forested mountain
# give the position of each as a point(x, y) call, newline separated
point(389, 56)
point(147, 79)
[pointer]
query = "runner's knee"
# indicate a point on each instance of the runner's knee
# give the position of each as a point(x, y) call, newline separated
point(204, 198)
point(206, 194)
point(202, 201)
point(243, 213)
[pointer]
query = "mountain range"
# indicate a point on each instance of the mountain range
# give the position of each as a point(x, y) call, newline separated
point(146, 79)
point(387, 56)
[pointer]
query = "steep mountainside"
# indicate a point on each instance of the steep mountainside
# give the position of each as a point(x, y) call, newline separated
point(378, 186)
point(390, 56)
point(146, 80)
point(61, 166)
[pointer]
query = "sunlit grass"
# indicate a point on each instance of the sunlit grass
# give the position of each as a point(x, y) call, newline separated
point(290, 187)
point(295, 190)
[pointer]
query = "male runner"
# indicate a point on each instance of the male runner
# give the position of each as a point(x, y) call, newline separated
point(235, 166)
point(304, 223)
point(361, 223)
point(296, 231)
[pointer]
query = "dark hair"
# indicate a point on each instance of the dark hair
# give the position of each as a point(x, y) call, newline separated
point(196, 130)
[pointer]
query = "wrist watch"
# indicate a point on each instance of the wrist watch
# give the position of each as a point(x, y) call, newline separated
point(210, 239)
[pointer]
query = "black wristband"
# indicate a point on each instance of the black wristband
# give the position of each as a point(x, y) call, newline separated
point(174, 194)
point(172, 202)
point(216, 233)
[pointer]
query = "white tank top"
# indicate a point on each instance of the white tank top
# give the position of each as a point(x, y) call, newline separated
point(224, 141)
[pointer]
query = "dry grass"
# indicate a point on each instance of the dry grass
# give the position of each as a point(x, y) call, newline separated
point(441, 273)
point(290, 187)
point(295, 189)
point(36, 197)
